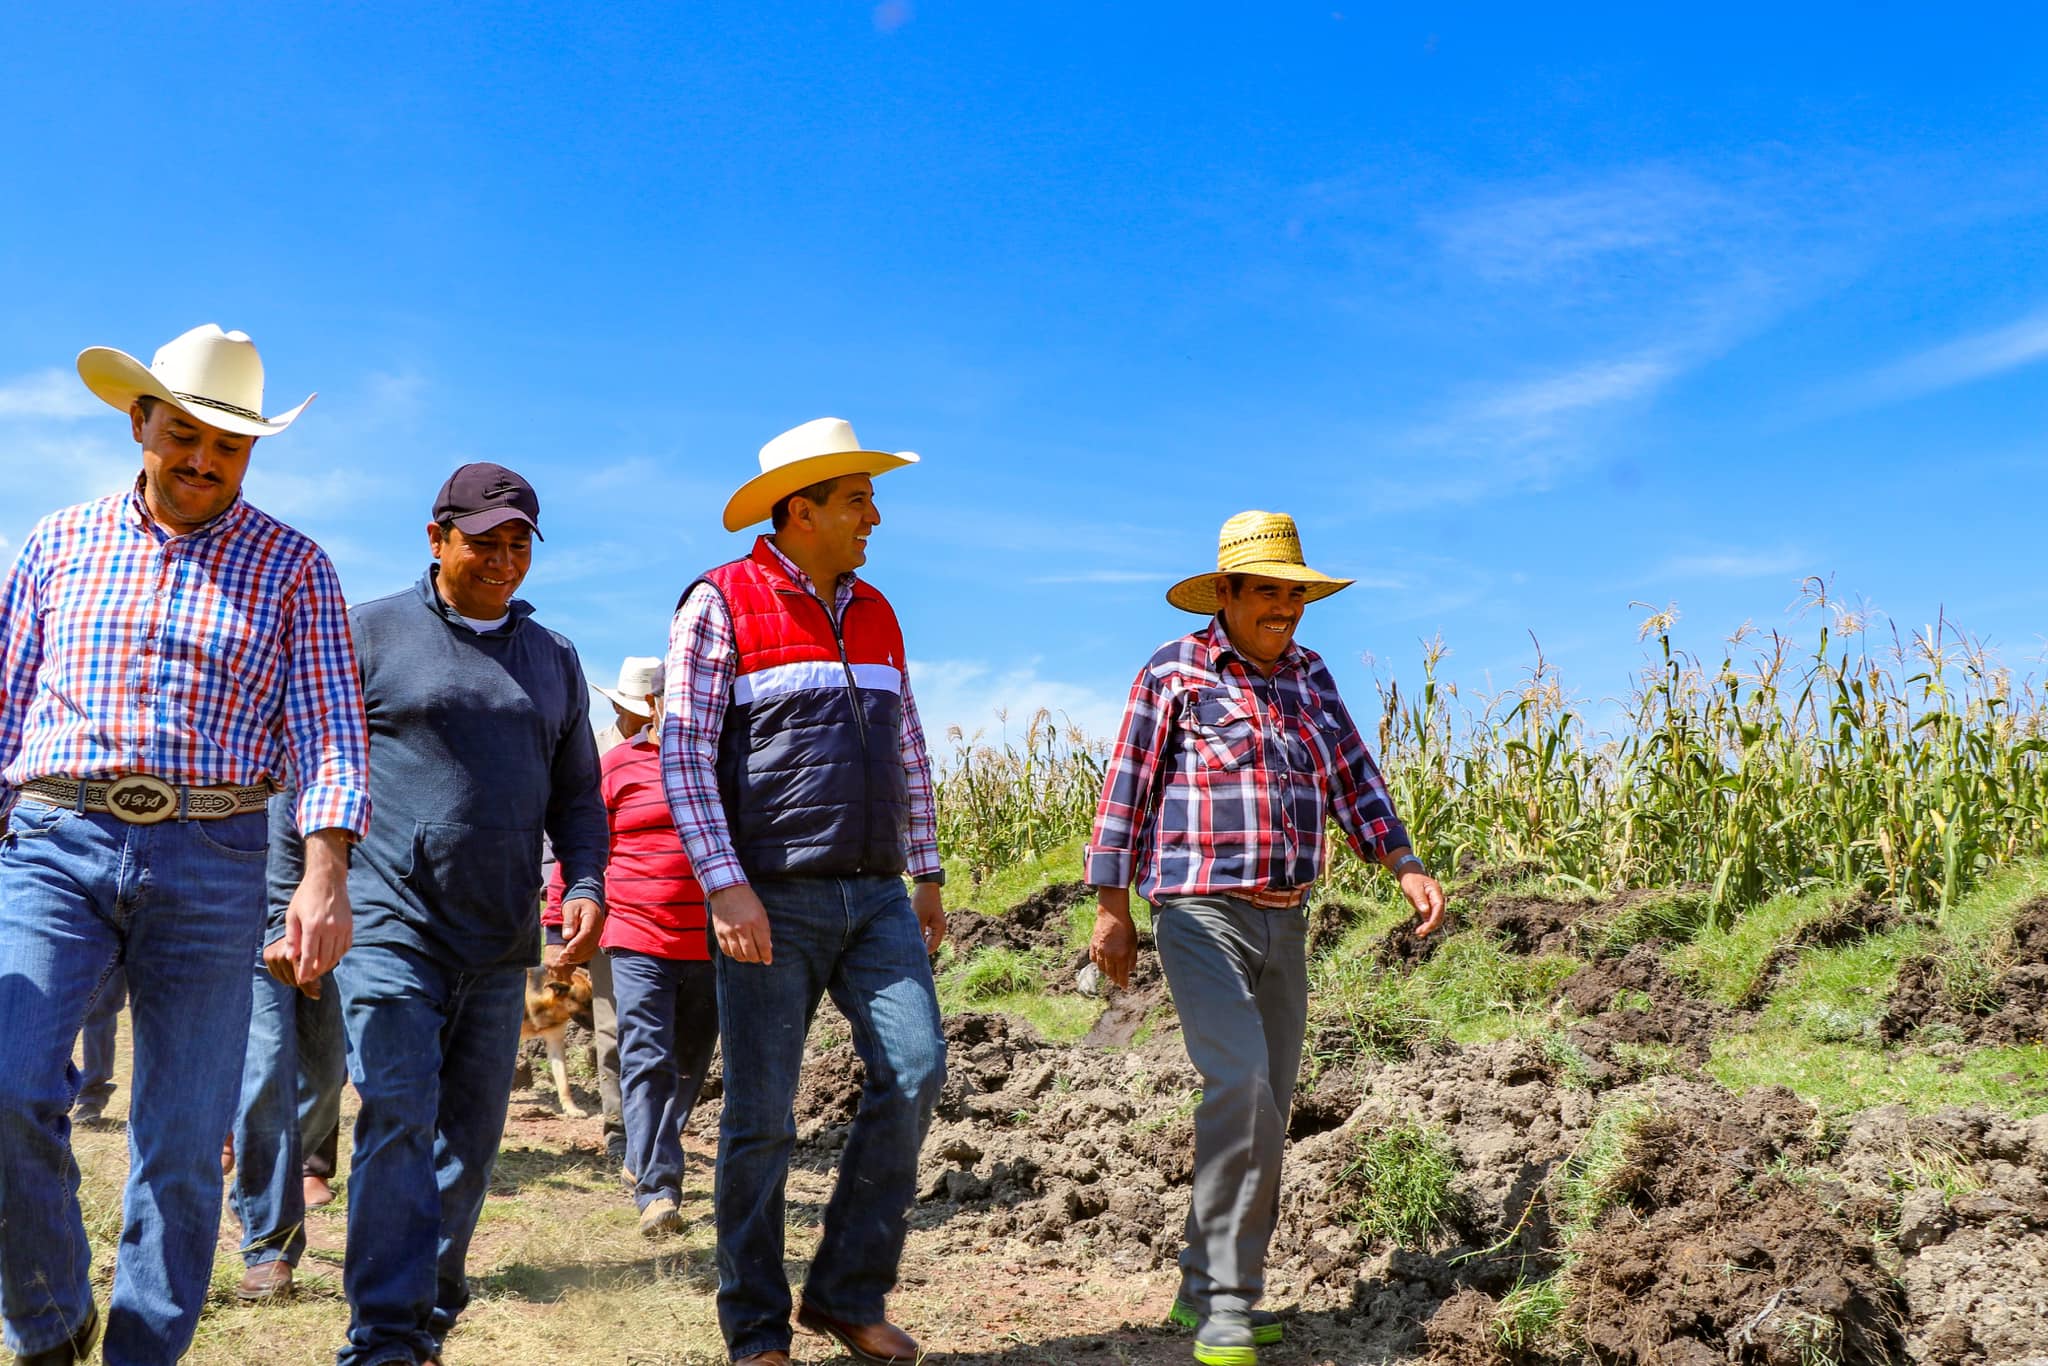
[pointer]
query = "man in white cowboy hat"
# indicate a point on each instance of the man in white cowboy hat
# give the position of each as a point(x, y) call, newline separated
point(168, 655)
point(798, 776)
point(1234, 752)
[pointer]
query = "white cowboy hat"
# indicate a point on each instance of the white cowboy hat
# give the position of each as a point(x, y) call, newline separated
point(640, 677)
point(824, 448)
point(1264, 543)
point(211, 376)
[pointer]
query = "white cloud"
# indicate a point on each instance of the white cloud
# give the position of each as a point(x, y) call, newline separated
point(1958, 362)
point(47, 394)
point(977, 696)
point(1735, 562)
point(1528, 235)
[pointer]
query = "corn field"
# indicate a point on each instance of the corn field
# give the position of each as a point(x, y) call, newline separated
point(1908, 763)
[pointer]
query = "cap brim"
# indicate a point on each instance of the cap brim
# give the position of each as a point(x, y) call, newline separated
point(1197, 593)
point(118, 379)
point(477, 523)
point(759, 495)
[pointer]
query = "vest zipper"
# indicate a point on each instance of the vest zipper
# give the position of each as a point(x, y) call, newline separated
point(860, 726)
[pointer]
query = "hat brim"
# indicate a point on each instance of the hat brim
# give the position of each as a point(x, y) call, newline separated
point(636, 705)
point(757, 497)
point(477, 523)
point(119, 379)
point(1197, 593)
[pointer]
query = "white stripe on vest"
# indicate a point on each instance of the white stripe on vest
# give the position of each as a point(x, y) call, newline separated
point(782, 679)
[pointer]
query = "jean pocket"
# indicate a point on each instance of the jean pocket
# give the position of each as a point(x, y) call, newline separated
point(244, 838)
point(31, 820)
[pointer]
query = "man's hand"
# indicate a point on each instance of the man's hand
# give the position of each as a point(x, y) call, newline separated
point(1424, 892)
point(1113, 948)
point(582, 923)
point(741, 923)
point(552, 963)
point(928, 900)
point(318, 925)
point(278, 962)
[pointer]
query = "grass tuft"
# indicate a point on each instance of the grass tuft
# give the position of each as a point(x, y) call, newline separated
point(1400, 1179)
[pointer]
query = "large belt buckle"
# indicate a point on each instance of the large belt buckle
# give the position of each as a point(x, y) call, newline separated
point(141, 799)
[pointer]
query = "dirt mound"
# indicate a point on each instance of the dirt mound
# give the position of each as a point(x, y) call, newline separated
point(1327, 923)
point(1711, 1251)
point(1400, 948)
point(1855, 917)
point(1039, 922)
point(2012, 1008)
point(1636, 999)
point(1964, 1196)
point(1534, 924)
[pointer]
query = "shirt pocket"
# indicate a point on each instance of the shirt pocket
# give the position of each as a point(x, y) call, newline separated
point(1221, 730)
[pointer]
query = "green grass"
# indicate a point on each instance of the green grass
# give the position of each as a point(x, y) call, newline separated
point(1399, 1179)
point(1843, 1077)
point(1676, 915)
point(1478, 992)
point(1729, 960)
point(1373, 1011)
point(1006, 886)
point(1593, 1177)
point(993, 973)
point(1531, 1315)
point(1838, 995)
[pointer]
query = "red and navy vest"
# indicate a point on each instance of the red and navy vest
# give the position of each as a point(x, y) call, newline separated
point(810, 761)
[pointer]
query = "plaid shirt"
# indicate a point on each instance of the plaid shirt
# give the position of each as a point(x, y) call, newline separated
point(1223, 780)
point(220, 656)
point(702, 659)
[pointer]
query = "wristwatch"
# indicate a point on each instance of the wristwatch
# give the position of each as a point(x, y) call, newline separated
point(1408, 863)
point(937, 879)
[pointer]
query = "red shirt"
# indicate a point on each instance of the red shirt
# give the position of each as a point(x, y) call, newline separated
point(652, 900)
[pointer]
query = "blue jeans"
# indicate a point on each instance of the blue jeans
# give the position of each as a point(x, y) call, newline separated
point(291, 1105)
point(857, 939)
point(102, 1024)
point(431, 1050)
point(668, 1025)
point(180, 904)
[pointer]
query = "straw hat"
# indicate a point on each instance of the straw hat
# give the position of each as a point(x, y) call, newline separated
point(211, 376)
point(822, 449)
point(1254, 543)
point(640, 677)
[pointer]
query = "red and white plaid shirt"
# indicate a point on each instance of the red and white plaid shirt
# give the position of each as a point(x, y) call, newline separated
point(221, 656)
point(1223, 780)
point(702, 659)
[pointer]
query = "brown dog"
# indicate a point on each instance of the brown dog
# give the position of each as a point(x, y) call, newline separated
point(550, 1005)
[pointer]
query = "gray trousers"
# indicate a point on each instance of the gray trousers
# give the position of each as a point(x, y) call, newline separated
point(604, 1028)
point(1239, 977)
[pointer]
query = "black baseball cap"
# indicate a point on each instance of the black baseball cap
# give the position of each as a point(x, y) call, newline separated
point(480, 496)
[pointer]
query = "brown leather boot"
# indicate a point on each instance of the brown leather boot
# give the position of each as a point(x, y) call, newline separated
point(871, 1344)
point(266, 1281)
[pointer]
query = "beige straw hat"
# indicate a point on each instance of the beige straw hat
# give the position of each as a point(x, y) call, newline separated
point(1254, 543)
point(823, 448)
point(211, 376)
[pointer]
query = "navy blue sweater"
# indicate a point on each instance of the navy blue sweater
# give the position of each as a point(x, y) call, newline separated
point(478, 743)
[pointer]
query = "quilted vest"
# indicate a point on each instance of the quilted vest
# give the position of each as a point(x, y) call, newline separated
point(810, 763)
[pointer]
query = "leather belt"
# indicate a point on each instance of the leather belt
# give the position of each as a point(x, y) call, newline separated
point(145, 799)
point(1275, 898)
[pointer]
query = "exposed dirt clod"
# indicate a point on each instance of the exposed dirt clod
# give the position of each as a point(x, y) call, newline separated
point(2012, 1008)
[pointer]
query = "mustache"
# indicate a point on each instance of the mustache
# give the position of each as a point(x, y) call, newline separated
point(187, 472)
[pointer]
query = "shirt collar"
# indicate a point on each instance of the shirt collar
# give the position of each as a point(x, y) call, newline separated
point(518, 611)
point(803, 580)
point(1219, 644)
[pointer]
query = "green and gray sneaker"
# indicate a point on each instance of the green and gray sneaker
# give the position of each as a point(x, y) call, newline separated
point(1267, 1328)
point(1225, 1339)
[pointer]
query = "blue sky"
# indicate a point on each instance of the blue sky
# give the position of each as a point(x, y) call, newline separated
point(1525, 313)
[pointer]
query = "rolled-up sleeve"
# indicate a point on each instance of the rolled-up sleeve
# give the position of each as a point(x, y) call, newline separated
point(701, 660)
point(1128, 786)
point(325, 735)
